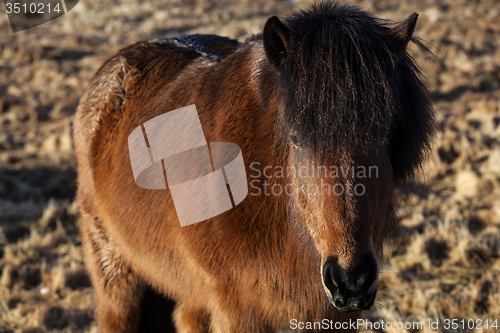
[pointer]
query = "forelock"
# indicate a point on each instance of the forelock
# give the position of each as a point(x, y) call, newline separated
point(338, 86)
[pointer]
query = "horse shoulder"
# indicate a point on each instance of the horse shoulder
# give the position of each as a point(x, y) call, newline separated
point(120, 79)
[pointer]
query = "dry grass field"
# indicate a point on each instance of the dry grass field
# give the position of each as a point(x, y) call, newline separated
point(445, 263)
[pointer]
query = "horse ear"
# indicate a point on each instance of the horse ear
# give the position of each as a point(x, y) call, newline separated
point(402, 33)
point(277, 40)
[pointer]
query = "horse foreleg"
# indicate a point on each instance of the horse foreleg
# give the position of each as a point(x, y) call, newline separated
point(118, 289)
point(189, 319)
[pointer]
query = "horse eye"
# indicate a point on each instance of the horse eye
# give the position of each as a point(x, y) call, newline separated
point(295, 140)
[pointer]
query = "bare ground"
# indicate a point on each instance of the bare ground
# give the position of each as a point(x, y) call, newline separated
point(444, 265)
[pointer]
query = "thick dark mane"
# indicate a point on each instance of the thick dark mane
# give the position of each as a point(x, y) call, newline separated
point(345, 87)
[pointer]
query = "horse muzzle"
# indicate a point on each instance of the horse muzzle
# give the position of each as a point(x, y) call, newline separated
point(352, 290)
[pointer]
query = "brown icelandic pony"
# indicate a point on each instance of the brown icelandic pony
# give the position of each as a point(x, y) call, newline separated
point(328, 87)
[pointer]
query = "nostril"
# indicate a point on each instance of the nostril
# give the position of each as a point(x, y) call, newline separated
point(329, 269)
point(368, 272)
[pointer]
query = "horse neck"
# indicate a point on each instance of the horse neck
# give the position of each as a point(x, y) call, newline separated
point(272, 151)
point(253, 119)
